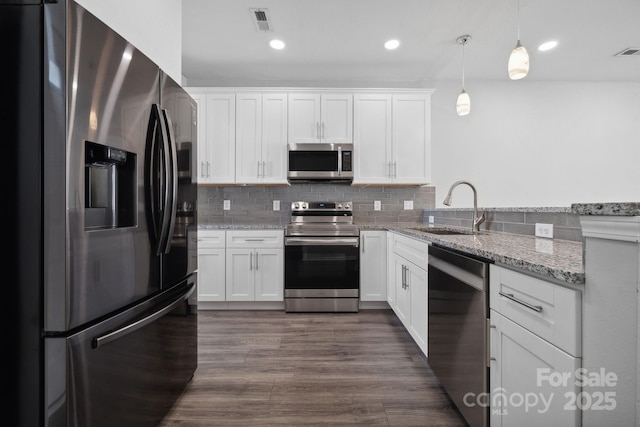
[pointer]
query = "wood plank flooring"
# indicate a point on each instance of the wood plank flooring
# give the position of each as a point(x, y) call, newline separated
point(260, 368)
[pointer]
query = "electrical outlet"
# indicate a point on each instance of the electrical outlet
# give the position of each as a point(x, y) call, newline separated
point(408, 205)
point(377, 206)
point(276, 205)
point(544, 230)
point(226, 205)
point(431, 219)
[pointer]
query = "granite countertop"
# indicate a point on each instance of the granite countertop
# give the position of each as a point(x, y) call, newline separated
point(556, 259)
point(241, 227)
point(610, 209)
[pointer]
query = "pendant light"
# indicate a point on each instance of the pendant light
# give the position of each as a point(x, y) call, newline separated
point(519, 60)
point(463, 105)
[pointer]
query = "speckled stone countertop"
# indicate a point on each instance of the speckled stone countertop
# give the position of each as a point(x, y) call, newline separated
point(556, 259)
point(607, 209)
point(241, 226)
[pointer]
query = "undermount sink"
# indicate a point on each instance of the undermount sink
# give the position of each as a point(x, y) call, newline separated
point(443, 231)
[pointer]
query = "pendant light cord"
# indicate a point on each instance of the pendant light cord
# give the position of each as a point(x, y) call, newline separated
point(463, 43)
point(518, 14)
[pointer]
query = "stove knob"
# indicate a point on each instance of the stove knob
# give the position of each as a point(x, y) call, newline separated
point(296, 206)
point(339, 205)
point(346, 206)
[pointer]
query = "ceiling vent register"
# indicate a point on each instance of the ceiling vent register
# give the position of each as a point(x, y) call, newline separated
point(630, 51)
point(261, 19)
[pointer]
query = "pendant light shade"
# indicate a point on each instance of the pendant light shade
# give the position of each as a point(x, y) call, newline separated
point(463, 104)
point(518, 66)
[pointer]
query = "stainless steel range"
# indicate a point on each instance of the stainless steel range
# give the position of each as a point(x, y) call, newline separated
point(322, 258)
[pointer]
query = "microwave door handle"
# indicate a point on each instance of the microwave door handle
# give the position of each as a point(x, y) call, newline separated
point(172, 181)
point(340, 161)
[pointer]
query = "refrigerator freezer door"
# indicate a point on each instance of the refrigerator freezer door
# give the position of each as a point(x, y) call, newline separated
point(127, 370)
point(95, 266)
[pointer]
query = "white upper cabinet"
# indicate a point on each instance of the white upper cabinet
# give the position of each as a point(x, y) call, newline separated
point(372, 139)
point(261, 138)
point(216, 137)
point(320, 118)
point(392, 138)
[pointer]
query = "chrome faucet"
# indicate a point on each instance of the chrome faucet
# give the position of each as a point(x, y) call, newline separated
point(477, 220)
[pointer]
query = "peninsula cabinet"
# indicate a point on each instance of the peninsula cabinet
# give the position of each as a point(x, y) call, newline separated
point(392, 138)
point(535, 351)
point(261, 138)
point(216, 137)
point(320, 118)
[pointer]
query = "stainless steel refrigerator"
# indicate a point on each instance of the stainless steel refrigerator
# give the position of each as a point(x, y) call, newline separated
point(100, 208)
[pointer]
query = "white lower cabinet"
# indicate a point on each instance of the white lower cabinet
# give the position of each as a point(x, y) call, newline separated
point(255, 274)
point(410, 286)
point(211, 265)
point(373, 265)
point(240, 265)
point(535, 348)
point(255, 265)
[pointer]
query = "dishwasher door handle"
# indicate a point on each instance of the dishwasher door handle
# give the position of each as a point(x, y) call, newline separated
point(536, 308)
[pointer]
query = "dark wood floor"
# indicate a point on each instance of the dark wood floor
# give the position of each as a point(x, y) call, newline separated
point(273, 368)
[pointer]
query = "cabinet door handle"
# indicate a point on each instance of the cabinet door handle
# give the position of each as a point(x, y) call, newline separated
point(389, 167)
point(489, 358)
point(257, 266)
point(362, 243)
point(254, 240)
point(250, 261)
point(404, 277)
point(208, 170)
point(322, 133)
point(536, 308)
point(318, 130)
point(395, 170)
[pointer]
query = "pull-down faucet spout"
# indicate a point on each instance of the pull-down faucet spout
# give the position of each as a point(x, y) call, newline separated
point(477, 220)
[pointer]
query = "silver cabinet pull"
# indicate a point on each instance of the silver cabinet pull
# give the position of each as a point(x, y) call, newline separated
point(322, 131)
point(250, 261)
point(254, 240)
point(395, 169)
point(318, 130)
point(362, 243)
point(257, 266)
point(536, 308)
point(489, 358)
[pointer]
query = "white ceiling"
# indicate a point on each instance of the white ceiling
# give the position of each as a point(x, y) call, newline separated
point(338, 43)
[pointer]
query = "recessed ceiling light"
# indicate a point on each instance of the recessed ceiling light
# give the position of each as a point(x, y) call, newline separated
point(547, 45)
point(391, 44)
point(276, 44)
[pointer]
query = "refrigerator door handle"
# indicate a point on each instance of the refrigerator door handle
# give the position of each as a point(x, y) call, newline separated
point(170, 215)
point(158, 195)
point(104, 339)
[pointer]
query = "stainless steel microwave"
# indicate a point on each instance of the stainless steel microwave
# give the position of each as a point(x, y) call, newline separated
point(320, 162)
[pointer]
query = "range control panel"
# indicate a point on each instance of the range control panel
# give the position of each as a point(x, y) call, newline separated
point(321, 206)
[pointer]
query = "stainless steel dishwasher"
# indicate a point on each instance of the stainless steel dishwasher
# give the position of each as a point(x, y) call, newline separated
point(458, 313)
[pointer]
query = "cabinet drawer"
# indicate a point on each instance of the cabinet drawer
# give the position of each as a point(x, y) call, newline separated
point(411, 249)
point(239, 239)
point(548, 310)
point(211, 239)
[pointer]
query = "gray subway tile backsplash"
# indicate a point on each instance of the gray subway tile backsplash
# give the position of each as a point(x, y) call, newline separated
point(254, 205)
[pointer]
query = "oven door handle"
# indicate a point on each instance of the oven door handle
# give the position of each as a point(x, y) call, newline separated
point(322, 241)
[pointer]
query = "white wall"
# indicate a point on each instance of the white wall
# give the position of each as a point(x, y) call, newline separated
point(538, 144)
point(153, 26)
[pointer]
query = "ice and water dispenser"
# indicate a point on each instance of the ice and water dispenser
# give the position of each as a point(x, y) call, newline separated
point(110, 187)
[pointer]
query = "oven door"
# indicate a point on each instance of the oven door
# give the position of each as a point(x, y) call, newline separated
point(322, 267)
